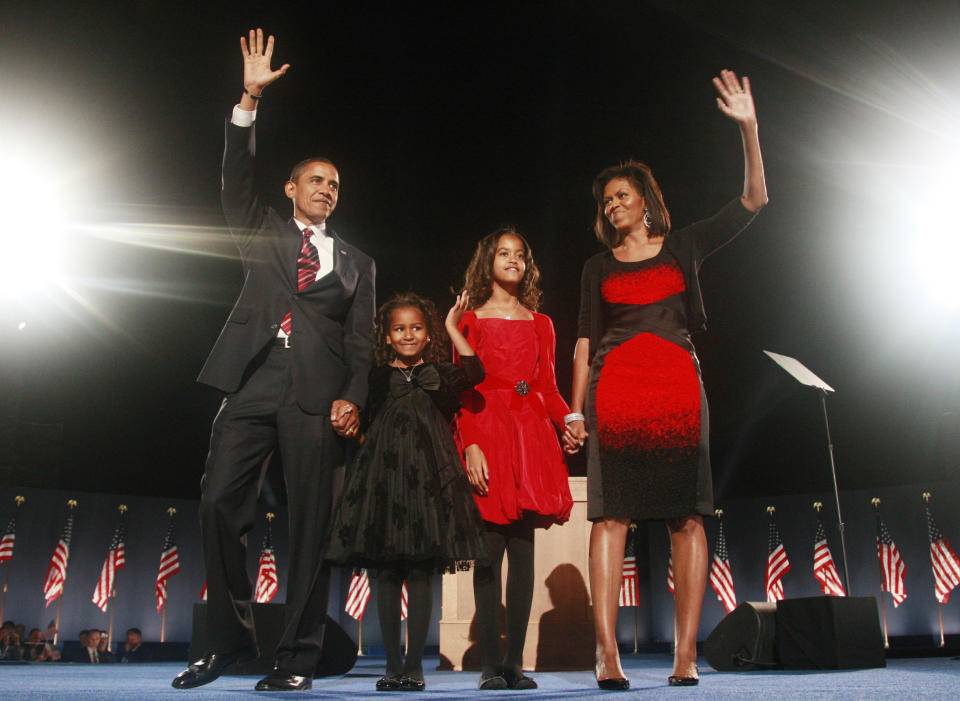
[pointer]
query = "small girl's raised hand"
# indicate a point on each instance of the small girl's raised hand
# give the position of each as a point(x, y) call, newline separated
point(457, 311)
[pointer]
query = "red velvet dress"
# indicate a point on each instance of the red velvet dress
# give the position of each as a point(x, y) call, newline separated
point(511, 415)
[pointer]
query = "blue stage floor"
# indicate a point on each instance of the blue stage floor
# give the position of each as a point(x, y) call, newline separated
point(926, 678)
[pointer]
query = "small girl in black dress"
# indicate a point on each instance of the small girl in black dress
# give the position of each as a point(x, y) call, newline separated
point(407, 512)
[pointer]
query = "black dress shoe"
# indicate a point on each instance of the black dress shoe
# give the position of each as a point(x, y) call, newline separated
point(412, 684)
point(518, 681)
point(388, 684)
point(278, 680)
point(615, 684)
point(208, 668)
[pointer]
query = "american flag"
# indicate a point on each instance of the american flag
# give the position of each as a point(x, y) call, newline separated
point(403, 601)
point(670, 586)
point(946, 565)
point(629, 594)
point(777, 563)
point(266, 587)
point(57, 571)
point(358, 594)
point(721, 578)
point(823, 567)
point(115, 560)
point(892, 568)
point(203, 592)
point(9, 537)
point(169, 566)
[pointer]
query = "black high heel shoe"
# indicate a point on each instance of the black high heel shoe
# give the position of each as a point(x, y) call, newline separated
point(615, 684)
point(674, 680)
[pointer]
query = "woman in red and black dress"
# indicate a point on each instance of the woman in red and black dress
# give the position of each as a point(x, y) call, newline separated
point(638, 379)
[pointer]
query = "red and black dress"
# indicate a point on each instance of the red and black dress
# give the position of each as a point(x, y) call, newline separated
point(648, 454)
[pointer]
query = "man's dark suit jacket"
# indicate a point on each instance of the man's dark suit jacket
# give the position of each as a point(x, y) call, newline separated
point(332, 334)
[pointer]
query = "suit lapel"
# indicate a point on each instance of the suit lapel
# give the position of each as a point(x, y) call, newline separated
point(290, 251)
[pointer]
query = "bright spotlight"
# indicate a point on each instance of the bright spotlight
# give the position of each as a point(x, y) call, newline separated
point(936, 246)
point(31, 226)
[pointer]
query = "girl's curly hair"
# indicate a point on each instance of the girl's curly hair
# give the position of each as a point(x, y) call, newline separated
point(439, 346)
point(479, 276)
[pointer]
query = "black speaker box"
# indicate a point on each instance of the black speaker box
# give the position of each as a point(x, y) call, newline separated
point(817, 632)
point(829, 632)
point(339, 650)
point(745, 639)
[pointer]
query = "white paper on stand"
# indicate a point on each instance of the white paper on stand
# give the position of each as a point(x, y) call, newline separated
point(799, 371)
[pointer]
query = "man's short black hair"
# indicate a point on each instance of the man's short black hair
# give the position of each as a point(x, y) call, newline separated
point(298, 168)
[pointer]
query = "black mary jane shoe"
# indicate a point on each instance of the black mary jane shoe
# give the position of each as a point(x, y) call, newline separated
point(412, 684)
point(494, 683)
point(614, 684)
point(279, 680)
point(388, 684)
point(674, 680)
point(518, 681)
point(210, 667)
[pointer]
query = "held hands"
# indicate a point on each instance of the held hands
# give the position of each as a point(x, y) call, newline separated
point(574, 436)
point(477, 473)
point(344, 418)
point(257, 73)
point(736, 100)
point(456, 311)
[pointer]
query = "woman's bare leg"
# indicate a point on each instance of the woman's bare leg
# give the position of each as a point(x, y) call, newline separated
point(689, 545)
point(607, 541)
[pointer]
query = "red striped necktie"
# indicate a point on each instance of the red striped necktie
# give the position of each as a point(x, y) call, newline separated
point(308, 263)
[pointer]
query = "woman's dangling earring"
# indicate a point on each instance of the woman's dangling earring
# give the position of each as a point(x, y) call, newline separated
point(647, 219)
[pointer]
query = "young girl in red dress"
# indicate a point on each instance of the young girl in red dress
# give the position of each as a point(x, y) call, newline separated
point(506, 431)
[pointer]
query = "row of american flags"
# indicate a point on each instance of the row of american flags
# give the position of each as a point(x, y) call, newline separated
point(53, 584)
point(944, 562)
point(943, 559)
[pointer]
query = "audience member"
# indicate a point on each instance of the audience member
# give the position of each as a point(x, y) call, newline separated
point(103, 649)
point(36, 649)
point(10, 648)
point(133, 650)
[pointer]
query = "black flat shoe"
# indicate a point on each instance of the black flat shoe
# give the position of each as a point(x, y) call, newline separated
point(518, 681)
point(210, 667)
point(615, 684)
point(411, 684)
point(495, 683)
point(388, 684)
point(278, 680)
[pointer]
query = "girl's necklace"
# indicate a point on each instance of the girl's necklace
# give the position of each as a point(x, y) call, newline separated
point(407, 372)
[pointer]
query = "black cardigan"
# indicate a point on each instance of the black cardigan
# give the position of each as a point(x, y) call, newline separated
point(690, 246)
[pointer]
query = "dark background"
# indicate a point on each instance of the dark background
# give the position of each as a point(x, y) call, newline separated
point(446, 120)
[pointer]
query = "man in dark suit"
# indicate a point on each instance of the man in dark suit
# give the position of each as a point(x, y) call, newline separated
point(293, 361)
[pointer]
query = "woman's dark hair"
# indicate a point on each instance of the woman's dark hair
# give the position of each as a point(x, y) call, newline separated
point(640, 176)
point(439, 346)
point(479, 276)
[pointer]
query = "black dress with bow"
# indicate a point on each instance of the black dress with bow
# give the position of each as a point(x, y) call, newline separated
point(406, 501)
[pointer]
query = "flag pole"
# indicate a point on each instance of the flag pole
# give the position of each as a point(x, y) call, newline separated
point(163, 614)
point(18, 500)
point(71, 504)
point(926, 498)
point(883, 604)
point(635, 626)
point(940, 615)
point(360, 638)
point(113, 590)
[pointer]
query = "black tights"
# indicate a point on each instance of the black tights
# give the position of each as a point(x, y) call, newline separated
point(516, 539)
point(419, 603)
